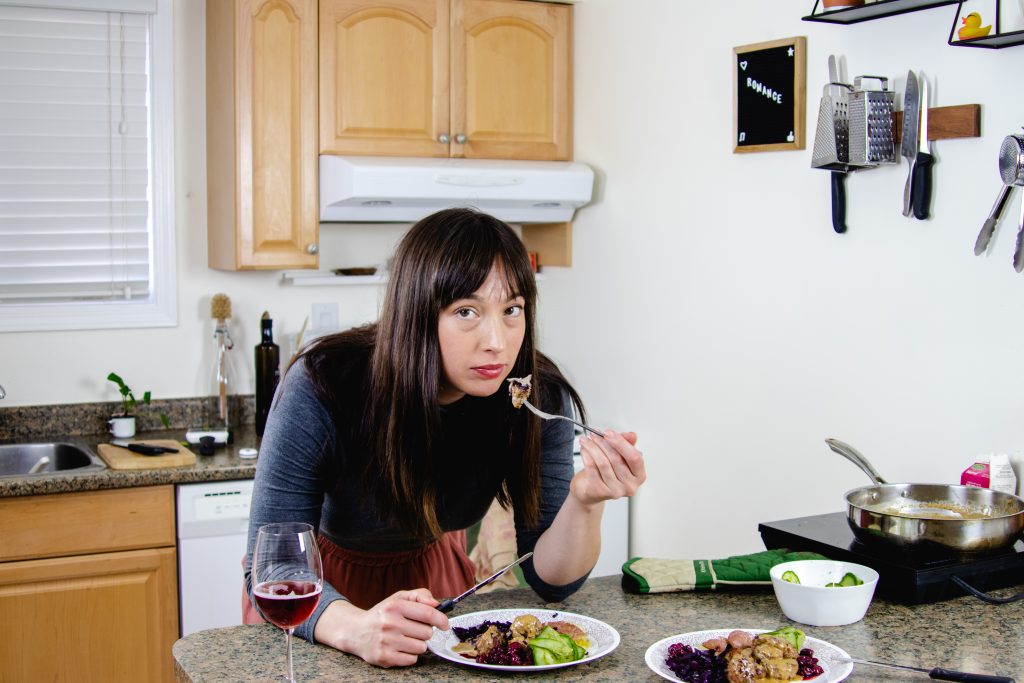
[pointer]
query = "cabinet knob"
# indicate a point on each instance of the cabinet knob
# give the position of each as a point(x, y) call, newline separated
point(443, 138)
point(312, 248)
point(461, 138)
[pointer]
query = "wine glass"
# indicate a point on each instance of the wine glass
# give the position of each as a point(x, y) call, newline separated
point(287, 577)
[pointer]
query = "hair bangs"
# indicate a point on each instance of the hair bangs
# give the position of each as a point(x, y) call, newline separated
point(475, 245)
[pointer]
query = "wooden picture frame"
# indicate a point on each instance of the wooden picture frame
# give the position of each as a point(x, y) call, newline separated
point(770, 95)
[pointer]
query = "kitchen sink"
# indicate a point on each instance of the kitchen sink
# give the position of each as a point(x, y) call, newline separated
point(35, 459)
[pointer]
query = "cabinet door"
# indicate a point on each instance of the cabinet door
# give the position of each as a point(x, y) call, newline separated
point(109, 617)
point(384, 77)
point(261, 133)
point(512, 79)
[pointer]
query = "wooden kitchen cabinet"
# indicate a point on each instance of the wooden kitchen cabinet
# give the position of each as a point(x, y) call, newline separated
point(88, 586)
point(440, 78)
point(261, 134)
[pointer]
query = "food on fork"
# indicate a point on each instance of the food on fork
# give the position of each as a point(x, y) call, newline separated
point(519, 389)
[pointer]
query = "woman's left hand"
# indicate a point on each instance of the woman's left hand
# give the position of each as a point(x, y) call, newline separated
point(612, 468)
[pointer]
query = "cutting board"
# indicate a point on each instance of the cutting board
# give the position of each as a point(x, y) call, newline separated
point(123, 459)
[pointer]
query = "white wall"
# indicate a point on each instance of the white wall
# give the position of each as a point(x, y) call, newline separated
point(710, 306)
point(712, 309)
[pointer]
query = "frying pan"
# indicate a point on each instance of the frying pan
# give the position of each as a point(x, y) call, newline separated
point(964, 519)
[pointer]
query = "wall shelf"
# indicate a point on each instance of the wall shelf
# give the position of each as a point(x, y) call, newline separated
point(875, 10)
point(993, 42)
point(310, 278)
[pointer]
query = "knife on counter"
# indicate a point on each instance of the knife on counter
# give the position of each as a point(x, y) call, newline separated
point(143, 448)
point(921, 193)
point(937, 673)
point(449, 604)
point(909, 135)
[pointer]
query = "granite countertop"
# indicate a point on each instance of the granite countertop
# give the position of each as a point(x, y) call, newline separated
point(223, 465)
point(964, 634)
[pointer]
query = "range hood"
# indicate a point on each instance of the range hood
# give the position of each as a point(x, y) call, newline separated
point(402, 189)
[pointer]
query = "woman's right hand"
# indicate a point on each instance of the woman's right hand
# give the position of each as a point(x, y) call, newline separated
point(394, 632)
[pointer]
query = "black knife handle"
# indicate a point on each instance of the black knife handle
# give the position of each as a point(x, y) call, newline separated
point(951, 675)
point(145, 449)
point(446, 606)
point(921, 195)
point(838, 201)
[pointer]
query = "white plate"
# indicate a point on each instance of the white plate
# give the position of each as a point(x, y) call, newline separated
point(603, 638)
point(828, 655)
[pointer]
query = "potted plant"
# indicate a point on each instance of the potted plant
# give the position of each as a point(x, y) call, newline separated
point(122, 425)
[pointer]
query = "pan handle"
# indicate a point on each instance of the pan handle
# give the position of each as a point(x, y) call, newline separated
point(854, 456)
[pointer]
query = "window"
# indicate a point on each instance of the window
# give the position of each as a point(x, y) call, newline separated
point(86, 165)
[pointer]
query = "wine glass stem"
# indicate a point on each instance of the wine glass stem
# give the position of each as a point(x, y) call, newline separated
point(288, 641)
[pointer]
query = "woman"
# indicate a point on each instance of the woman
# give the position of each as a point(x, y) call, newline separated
point(393, 438)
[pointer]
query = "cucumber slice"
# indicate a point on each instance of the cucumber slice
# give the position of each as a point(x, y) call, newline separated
point(790, 577)
point(850, 579)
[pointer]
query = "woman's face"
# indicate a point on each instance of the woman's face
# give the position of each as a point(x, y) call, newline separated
point(480, 337)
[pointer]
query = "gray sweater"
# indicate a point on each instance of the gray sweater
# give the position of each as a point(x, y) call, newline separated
point(307, 472)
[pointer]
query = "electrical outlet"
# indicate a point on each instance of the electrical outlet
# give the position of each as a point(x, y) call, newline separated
point(325, 316)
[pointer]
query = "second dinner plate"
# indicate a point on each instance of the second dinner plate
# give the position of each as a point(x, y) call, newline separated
point(829, 656)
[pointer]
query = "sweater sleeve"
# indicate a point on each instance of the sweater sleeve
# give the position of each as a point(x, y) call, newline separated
point(556, 473)
point(289, 484)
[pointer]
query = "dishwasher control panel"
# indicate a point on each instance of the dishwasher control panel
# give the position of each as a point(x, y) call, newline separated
point(214, 508)
point(232, 504)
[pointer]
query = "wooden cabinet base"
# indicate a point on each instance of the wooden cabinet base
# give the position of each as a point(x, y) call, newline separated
point(109, 617)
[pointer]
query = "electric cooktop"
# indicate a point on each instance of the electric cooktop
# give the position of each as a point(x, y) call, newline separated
point(908, 577)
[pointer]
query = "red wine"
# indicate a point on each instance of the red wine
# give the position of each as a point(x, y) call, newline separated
point(287, 603)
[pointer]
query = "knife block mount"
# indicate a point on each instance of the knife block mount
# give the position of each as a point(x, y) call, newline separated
point(946, 123)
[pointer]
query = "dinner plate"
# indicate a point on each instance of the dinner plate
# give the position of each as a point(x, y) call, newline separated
point(603, 638)
point(829, 656)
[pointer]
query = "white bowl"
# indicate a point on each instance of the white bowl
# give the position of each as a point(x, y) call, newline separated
point(810, 602)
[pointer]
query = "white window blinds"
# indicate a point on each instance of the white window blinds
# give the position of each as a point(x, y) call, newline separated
point(75, 156)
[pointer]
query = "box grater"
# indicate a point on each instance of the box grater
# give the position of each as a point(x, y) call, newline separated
point(871, 119)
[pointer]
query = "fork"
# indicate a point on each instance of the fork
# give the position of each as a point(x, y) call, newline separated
point(548, 416)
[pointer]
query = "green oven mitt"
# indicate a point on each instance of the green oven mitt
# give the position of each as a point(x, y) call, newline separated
point(651, 575)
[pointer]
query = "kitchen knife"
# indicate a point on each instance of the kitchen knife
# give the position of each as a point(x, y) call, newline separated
point(937, 673)
point(447, 605)
point(908, 137)
point(922, 191)
point(837, 176)
point(143, 448)
point(989, 225)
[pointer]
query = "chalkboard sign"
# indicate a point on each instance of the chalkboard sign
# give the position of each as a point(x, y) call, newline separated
point(770, 88)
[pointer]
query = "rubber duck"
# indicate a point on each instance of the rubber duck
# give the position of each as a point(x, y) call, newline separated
point(972, 27)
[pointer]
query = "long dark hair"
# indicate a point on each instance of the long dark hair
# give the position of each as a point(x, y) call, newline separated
point(444, 257)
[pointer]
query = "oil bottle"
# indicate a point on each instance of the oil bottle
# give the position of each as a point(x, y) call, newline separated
point(268, 371)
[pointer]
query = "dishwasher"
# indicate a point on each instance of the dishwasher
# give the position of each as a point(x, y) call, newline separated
point(213, 526)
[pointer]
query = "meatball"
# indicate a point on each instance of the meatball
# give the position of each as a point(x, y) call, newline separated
point(488, 640)
point(524, 627)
